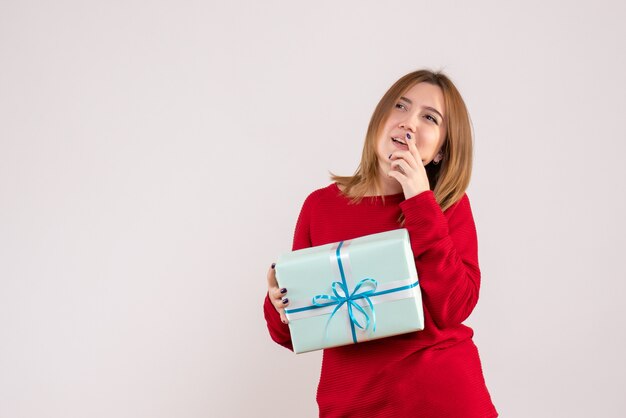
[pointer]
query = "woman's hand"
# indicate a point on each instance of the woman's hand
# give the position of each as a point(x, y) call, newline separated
point(277, 296)
point(408, 169)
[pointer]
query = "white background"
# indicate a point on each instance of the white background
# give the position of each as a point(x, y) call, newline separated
point(154, 156)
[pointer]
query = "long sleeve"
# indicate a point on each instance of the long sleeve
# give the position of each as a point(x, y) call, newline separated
point(301, 239)
point(445, 248)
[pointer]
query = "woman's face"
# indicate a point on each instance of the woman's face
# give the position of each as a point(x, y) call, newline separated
point(420, 112)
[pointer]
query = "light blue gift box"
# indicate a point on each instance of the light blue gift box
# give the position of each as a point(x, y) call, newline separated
point(351, 291)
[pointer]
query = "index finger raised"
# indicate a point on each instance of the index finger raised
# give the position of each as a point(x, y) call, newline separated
point(413, 148)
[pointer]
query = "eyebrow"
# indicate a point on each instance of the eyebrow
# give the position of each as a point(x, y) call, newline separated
point(425, 107)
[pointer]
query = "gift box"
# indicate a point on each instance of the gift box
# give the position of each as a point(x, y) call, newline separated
point(351, 291)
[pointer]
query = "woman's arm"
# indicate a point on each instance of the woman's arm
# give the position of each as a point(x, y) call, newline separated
point(445, 248)
point(301, 239)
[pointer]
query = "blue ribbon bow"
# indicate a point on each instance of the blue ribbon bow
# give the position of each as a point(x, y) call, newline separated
point(349, 298)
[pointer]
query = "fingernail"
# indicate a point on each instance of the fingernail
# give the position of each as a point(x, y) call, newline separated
point(285, 300)
point(283, 290)
point(390, 156)
point(273, 265)
point(408, 135)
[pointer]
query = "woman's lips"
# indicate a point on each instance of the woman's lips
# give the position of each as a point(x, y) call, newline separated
point(400, 145)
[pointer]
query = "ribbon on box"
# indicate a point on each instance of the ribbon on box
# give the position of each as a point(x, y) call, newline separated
point(352, 299)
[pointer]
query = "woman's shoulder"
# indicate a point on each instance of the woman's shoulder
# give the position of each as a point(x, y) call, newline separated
point(324, 194)
point(460, 212)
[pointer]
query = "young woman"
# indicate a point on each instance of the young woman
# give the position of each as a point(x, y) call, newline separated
point(415, 168)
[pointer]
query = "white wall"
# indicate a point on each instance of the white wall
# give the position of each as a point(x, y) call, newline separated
point(154, 156)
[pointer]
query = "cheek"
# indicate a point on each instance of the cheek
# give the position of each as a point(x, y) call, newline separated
point(381, 142)
point(429, 139)
point(381, 147)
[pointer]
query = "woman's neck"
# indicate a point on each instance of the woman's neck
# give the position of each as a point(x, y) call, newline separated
point(388, 186)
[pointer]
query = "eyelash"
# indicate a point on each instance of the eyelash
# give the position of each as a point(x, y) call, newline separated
point(432, 118)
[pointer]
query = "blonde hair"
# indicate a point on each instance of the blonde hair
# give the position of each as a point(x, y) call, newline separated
point(450, 178)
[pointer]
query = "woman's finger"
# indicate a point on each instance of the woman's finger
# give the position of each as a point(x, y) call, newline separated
point(413, 149)
point(280, 302)
point(405, 155)
point(401, 165)
point(398, 176)
point(283, 316)
point(277, 293)
point(277, 296)
point(271, 277)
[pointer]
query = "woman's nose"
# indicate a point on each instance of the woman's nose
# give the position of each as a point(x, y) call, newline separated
point(409, 124)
